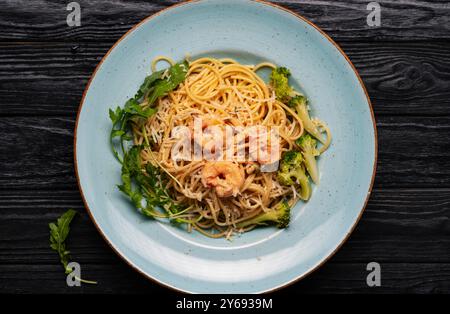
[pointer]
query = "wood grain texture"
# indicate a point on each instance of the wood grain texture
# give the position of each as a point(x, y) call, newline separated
point(405, 64)
point(45, 20)
point(404, 78)
point(397, 226)
point(395, 278)
point(331, 278)
point(37, 152)
point(44, 78)
point(49, 79)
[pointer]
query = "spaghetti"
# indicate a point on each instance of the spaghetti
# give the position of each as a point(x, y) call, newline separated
point(218, 198)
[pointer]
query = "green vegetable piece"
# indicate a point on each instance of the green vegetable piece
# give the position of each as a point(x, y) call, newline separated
point(148, 83)
point(58, 235)
point(291, 172)
point(308, 145)
point(279, 79)
point(281, 216)
point(175, 75)
point(145, 187)
point(300, 105)
point(156, 85)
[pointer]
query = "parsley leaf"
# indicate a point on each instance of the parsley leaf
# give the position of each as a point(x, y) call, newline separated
point(134, 109)
point(131, 167)
point(156, 85)
point(176, 74)
point(145, 186)
point(58, 235)
point(148, 83)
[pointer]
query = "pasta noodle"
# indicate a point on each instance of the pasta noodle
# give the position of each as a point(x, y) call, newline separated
point(219, 195)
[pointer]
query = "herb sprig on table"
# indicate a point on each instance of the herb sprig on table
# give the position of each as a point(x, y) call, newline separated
point(59, 231)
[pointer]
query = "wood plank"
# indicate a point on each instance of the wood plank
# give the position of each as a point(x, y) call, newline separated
point(330, 278)
point(413, 212)
point(413, 152)
point(397, 226)
point(395, 278)
point(404, 79)
point(45, 78)
point(36, 153)
point(405, 63)
point(115, 278)
point(110, 19)
point(49, 79)
point(400, 20)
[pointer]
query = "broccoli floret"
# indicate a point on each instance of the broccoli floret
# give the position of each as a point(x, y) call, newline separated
point(300, 105)
point(280, 215)
point(291, 172)
point(279, 80)
point(308, 145)
point(283, 71)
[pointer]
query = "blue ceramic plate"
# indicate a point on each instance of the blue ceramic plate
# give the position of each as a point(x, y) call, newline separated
point(266, 258)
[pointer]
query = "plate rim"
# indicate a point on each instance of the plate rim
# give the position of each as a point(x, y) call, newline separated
point(313, 268)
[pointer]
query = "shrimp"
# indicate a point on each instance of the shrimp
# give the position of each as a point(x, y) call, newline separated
point(225, 177)
point(212, 138)
point(263, 147)
point(205, 124)
point(206, 121)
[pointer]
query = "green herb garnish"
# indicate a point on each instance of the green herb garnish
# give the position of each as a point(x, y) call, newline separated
point(145, 185)
point(58, 234)
point(140, 107)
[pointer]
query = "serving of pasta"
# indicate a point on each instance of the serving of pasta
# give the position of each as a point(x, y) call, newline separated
point(210, 146)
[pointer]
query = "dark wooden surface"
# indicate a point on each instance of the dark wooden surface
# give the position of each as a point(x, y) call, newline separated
point(405, 64)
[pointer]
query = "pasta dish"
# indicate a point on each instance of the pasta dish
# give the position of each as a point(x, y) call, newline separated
point(210, 146)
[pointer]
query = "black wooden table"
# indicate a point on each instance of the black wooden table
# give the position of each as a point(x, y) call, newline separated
point(405, 64)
